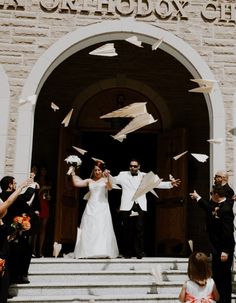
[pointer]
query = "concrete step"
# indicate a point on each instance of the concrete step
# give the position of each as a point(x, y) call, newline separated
point(96, 288)
point(175, 275)
point(61, 264)
point(151, 298)
point(91, 277)
point(65, 280)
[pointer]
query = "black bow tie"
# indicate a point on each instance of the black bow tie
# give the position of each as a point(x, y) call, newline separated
point(134, 174)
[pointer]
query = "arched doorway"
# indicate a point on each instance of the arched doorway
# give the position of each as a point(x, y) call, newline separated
point(166, 71)
point(105, 31)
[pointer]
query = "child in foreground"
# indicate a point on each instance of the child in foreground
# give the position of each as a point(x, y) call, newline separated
point(200, 288)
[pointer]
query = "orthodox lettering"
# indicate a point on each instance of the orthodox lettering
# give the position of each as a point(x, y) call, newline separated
point(68, 5)
point(223, 12)
point(227, 12)
point(163, 9)
point(16, 4)
point(144, 9)
point(180, 9)
point(125, 7)
point(108, 4)
point(211, 11)
point(49, 5)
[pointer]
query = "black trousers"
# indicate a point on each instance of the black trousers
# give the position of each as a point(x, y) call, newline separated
point(4, 285)
point(20, 257)
point(133, 231)
point(222, 275)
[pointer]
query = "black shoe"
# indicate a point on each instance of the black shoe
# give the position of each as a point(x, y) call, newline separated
point(23, 280)
point(127, 256)
point(140, 255)
point(9, 296)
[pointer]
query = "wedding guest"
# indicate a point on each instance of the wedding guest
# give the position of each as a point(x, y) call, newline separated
point(5, 232)
point(44, 201)
point(220, 226)
point(34, 215)
point(221, 178)
point(20, 250)
point(200, 287)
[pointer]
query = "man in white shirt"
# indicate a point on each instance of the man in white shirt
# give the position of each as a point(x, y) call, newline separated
point(133, 212)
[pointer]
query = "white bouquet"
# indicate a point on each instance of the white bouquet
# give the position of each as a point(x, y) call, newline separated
point(74, 161)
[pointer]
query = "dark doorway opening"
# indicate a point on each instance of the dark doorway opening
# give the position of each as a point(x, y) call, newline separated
point(141, 146)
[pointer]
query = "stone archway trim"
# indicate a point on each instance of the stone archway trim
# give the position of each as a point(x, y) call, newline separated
point(4, 118)
point(129, 83)
point(111, 30)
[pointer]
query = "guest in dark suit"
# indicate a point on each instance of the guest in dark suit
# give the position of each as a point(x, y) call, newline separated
point(133, 212)
point(5, 232)
point(220, 226)
point(20, 250)
point(221, 178)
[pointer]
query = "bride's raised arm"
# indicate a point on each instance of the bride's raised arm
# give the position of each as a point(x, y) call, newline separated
point(77, 181)
point(109, 181)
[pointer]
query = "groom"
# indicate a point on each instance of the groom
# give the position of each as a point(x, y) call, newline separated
point(133, 212)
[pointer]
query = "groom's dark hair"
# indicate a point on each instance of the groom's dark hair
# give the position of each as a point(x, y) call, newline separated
point(134, 159)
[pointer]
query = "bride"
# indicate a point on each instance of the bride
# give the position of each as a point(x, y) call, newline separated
point(97, 238)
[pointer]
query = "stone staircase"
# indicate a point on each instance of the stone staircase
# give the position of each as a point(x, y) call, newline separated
point(65, 280)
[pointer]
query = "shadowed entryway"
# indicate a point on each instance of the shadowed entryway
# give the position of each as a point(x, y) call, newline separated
point(127, 75)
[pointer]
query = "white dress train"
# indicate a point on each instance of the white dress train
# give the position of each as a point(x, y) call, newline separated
point(97, 238)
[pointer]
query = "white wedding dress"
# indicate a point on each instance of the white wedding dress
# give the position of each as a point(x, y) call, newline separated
point(97, 238)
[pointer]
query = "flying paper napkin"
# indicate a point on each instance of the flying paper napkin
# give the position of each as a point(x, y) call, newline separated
point(190, 243)
point(115, 186)
point(97, 160)
point(148, 182)
point(134, 40)
point(80, 150)
point(29, 99)
point(66, 120)
point(134, 214)
point(157, 273)
point(215, 141)
point(86, 196)
point(180, 155)
point(205, 86)
point(157, 44)
point(56, 249)
point(200, 157)
point(120, 138)
point(154, 193)
point(138, 122)
point(54, 106)
point(106, 50)
point(83, 151)
point(130, 111)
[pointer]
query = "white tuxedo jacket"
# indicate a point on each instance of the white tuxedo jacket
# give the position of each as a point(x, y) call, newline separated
point(129, 186)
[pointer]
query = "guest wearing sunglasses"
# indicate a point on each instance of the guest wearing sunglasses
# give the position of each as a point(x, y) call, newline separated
point(133, 212)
